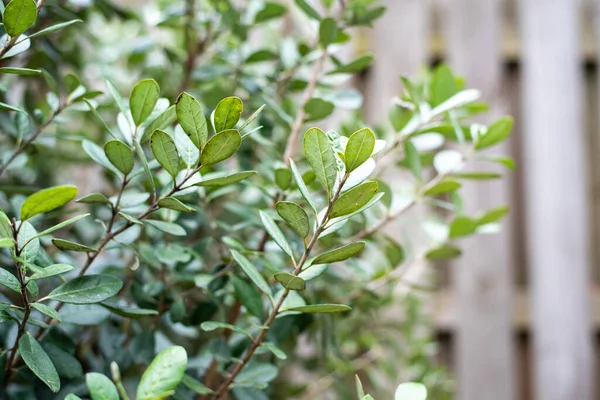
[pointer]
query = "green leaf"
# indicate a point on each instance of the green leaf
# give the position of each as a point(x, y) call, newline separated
point(228, 113)
point(139, 150)
point(7, 243)
point(120, 155)
point(355, 66)
point(191, 118)
point(283, 178)
point(114, 92)
point(129, 218)
point(294, 216)
point(94, 198)
point(317, 109)
point(5, 226)
point(496, 133)
point(252, 272)
point(20, 71)
point(321, 308)
point(413, 159)
point(48, 311)
point(38, 361)
point(359, 148)
point(163, 375)
point(248, 296)
point(195, 385)
point(9, 280)
point(8, 107)
point(320, 157)
point(167, 227)
point(127, 312)
point(443, 85)
point(220, 147)
point(410, 391)
point(161, 122)
point(339, 254)
point(269, 11)
point(444, 252)
point(493, 215)
point(275, 233)
point(51, 270)
point(164, 150)
point(290, 281)
point(61, 225)
point(96, 153)
point(399, 116)
point(173, 204)
point(446, 186)
point(143, 99)
point(308, 9)
point(250, 119)
point(71, 246)
point(354, 199)
point(302, 186)
point(328, 31)
point(18, 16)
point(277, 352)
point(226, 180)
point(96, 114)
point(27, 234)
point(87, 289)
point(462, 226)
point(478, 176)
point(47, 200)
point(209, 326)
point(359, 387)
point(55, 27)
point(101, 387)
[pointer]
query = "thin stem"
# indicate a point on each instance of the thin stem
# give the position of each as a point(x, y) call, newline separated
point(256, 343)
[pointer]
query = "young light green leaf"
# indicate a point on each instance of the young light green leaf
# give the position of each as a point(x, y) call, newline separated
point(55, 27)
point(164, 149)
point(252, 272)
point(294, 216)
point(443, 85)
point(7, 243)
point(5, 226)
point(143, 99)
point(339, 254)
point(275, 233)
point(442, 253)
point(302, 186)
point(228, 113)
point(220, 147)
point(173, 204)
point(248, 296)
point(48, 311)
point(496, 133)
point(413, 159)
point(359, 387)
point(127, 312)
point(317, 109)
point(18, 16)
point(38, 361)
point(20, 71)
point(47, 200)
point(359, 148)
point(290, 281)
point(9, 280)
point(163, 375)
point(493, 215)
point(321, 308)
point(410, 391)
point(191, 118)
point(51, 270)
point(354, 66)
point(167, 227)
point(87, 289)
point(94, 198)
point(269, 11)
point(446, 186)
point(328, 31)
point(353, 199)
point(120, 155)
point(308, 9)
point(226, 180)
point(101, 387)
point(320, 157)
point(462, 226)
point(71, 246)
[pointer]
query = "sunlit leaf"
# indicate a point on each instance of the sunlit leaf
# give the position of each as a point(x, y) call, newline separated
point(120, 155)
point(47, 200)
point(191, 118)
point(353, 199)
point(143, 99)
point(320, 157)
point(228, 113)
point(290, 281)
point(164, 149)
point(220, 147)
point(18, 16)
point(163, 375)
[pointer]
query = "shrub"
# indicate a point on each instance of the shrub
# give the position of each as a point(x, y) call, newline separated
point(215, 224)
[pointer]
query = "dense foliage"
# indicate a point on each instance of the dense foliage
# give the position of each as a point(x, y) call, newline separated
point(174, 223)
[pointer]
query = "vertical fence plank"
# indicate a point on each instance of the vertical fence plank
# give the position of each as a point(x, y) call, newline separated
point(483, 276)
point(556, 199)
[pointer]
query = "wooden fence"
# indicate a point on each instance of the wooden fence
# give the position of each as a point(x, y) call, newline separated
point(520, 313)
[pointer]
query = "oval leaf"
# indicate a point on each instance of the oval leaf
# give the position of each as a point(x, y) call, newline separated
point(228, 113)
point(226, 180)
point(51, 270)
point(48, 311)
point(445, 186)
point(18, 16)
point(163, 375)
point(191, 118)
point(294, 216)
point(359, 148)
point(87, 289)
point(275, 233)
point(164, 150)
point(220, 147)
point(9, 280)
point(100, 387)
point(496, 133)
point(47, 200)
point(127, 312)
point(290, 281)
point(143, 99)
point(354, 199)
point(320, 157)
point(167, 227)
point(38, 361)
point(340, 254)
point(174, 204)
point(120, 155)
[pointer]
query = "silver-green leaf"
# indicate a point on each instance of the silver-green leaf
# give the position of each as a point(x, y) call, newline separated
point(294, 216)
point(38, 361)
point(87, 289)
point(252, 272)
